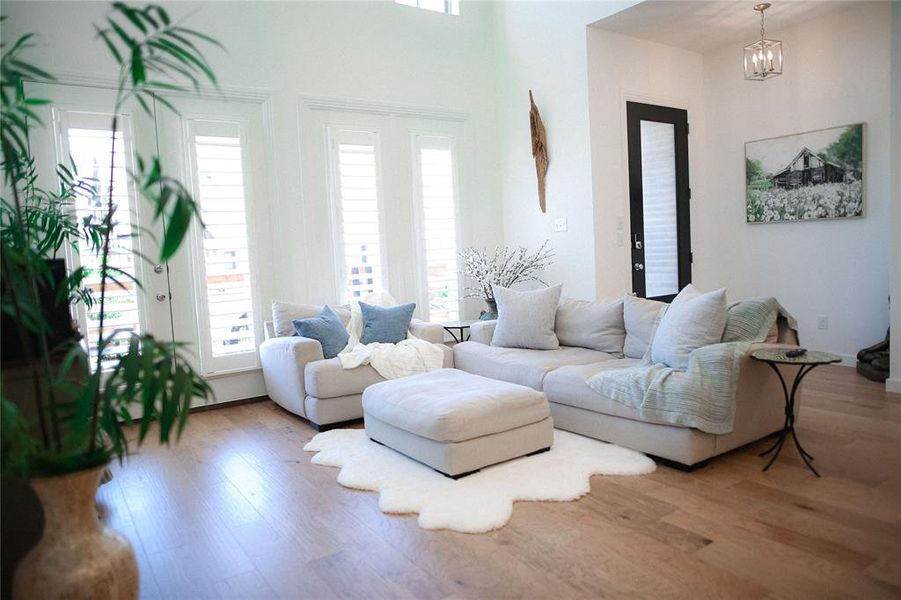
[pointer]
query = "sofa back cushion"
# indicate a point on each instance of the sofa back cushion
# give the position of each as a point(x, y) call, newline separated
point(385, 324)
point(526, 319)
point(285, 313)
point(327, 329)
point(693, 320)
point(597, 325)
point(639, 317)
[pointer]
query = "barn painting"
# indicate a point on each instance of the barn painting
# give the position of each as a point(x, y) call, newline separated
point(806, 176)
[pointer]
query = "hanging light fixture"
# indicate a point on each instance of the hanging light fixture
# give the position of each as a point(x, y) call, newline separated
point(763, 59)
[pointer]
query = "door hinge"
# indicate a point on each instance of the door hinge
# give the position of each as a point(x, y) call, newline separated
point(691, 257)
point(687, 128)
point(689, 193)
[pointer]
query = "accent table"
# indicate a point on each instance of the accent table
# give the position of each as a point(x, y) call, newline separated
point(459, 326)
point(807, 362)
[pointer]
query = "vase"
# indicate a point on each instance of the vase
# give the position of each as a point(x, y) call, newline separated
point(491, 313)
point(77, 557)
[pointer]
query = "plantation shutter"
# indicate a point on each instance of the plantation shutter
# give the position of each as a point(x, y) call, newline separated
point(658, 180)
point(437, 195)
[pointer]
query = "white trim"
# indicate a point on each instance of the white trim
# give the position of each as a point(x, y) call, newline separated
point(206, 92)
point(354, 105)
point(893, 385)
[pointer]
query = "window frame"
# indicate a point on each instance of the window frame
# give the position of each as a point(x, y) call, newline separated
point(416, 145)
point(336, 135)
point(209, 363)
point(451, 7)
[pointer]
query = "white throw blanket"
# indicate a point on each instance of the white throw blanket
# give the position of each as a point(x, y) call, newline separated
point(408, 357)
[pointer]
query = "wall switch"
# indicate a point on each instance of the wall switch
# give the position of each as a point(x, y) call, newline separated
point(619, 224)
point(560, 224)
point(620, 239)
point(822, 322)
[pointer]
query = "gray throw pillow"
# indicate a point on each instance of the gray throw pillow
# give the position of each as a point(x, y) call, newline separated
point(526, 319)
point(639, 316)
point(692, 321)
point(386, 325)
point(327, 329)
point(597, 325)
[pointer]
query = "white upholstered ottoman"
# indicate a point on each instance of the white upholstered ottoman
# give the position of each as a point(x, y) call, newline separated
point(457, 422)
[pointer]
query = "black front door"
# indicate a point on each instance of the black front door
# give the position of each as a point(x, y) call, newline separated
point(659, 200)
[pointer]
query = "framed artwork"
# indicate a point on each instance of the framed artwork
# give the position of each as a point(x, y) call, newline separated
point(805, 176)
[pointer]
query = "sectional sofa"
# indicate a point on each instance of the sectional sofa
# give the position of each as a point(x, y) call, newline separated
point(561, 375)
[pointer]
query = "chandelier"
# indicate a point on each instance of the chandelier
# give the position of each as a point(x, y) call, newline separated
point(763, 59)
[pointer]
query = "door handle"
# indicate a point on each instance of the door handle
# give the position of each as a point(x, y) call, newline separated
point(638, 267)
point(161, 297)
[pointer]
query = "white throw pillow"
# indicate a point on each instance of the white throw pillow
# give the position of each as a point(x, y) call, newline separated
point(526, 319)
point(284, 314)
point(639, 316)
point(597, 325)
point(692, 320)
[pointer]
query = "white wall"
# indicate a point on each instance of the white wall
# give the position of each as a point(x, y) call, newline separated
point(542, 46)
point(836, 73)
point(894, 382)
point(378, 51)
point(621, 69)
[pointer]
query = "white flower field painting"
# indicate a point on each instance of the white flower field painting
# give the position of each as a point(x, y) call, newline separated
point(806, 176)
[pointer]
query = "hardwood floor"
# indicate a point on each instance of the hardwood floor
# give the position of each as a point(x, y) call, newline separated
point(236, 510)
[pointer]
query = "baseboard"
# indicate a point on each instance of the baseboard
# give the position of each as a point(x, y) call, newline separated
point(893, 385)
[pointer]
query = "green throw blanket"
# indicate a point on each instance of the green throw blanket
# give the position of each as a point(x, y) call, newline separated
point(703, 395)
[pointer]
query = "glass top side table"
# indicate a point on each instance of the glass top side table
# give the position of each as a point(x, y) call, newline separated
point(460, 327)
point(807, 362)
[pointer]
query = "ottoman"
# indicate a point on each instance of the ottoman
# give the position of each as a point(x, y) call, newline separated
point(457, 422)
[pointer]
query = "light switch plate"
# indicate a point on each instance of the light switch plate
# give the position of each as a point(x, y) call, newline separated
point(560, 224)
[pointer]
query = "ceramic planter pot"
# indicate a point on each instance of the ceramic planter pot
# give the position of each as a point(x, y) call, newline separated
point(491, 313)
point(76, 557)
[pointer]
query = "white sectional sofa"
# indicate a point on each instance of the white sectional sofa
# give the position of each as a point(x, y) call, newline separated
point(561, 375)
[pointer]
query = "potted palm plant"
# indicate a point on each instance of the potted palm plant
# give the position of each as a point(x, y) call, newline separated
point(65, 409)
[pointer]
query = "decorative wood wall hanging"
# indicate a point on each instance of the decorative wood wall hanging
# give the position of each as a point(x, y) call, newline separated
point(539, 149)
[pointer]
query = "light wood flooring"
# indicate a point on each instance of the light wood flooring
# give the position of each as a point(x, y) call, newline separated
point(236, 510)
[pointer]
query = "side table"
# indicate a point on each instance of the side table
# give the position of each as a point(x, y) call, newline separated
point(460, 327)
point(807, 362)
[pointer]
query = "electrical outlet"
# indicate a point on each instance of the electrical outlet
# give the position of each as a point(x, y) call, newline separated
point(560, 224)
point(620, 239)
point(822, 322)
point(619, 224)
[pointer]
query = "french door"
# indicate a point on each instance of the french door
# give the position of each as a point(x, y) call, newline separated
point(659, 200)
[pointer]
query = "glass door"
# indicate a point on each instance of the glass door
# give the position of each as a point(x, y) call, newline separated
point(659, 200)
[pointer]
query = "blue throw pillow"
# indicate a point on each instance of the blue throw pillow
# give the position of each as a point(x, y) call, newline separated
point(326, 329)
point(388, 325)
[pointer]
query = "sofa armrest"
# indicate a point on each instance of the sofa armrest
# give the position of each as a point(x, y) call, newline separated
point(430, 332)
point(283, 360)
point(482, 332)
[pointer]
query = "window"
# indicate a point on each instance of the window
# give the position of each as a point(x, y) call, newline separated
point(225, 290)
point(88, 140)
point(356, 191)
point(451, 7)
point(436, 183)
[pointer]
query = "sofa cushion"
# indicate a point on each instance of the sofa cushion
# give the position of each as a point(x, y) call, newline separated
point(520, 365)
point(597, 325)
point(449, 405)
point(526, 319)
point(566, 385)
point(327, 329)
point(639, 316)
point(284, 313)
point(328, 379)
point(693, 320)
point(385, 324)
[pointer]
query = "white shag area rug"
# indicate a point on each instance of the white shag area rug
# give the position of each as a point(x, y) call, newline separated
point(479, 502)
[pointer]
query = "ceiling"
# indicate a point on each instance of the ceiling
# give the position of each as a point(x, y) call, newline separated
point(706, 25)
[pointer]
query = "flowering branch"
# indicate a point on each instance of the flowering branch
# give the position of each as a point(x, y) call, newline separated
point(505, 267)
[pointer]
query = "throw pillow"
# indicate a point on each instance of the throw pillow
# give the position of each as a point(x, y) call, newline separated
point(746, 321)
point(327, 329)
point(387, 325)
point(692, 320)
point(596, 325)
point(639, 316)
point(285, 313)
point(526, 319)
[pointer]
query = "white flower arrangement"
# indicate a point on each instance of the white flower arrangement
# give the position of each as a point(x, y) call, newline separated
point(504, 267)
